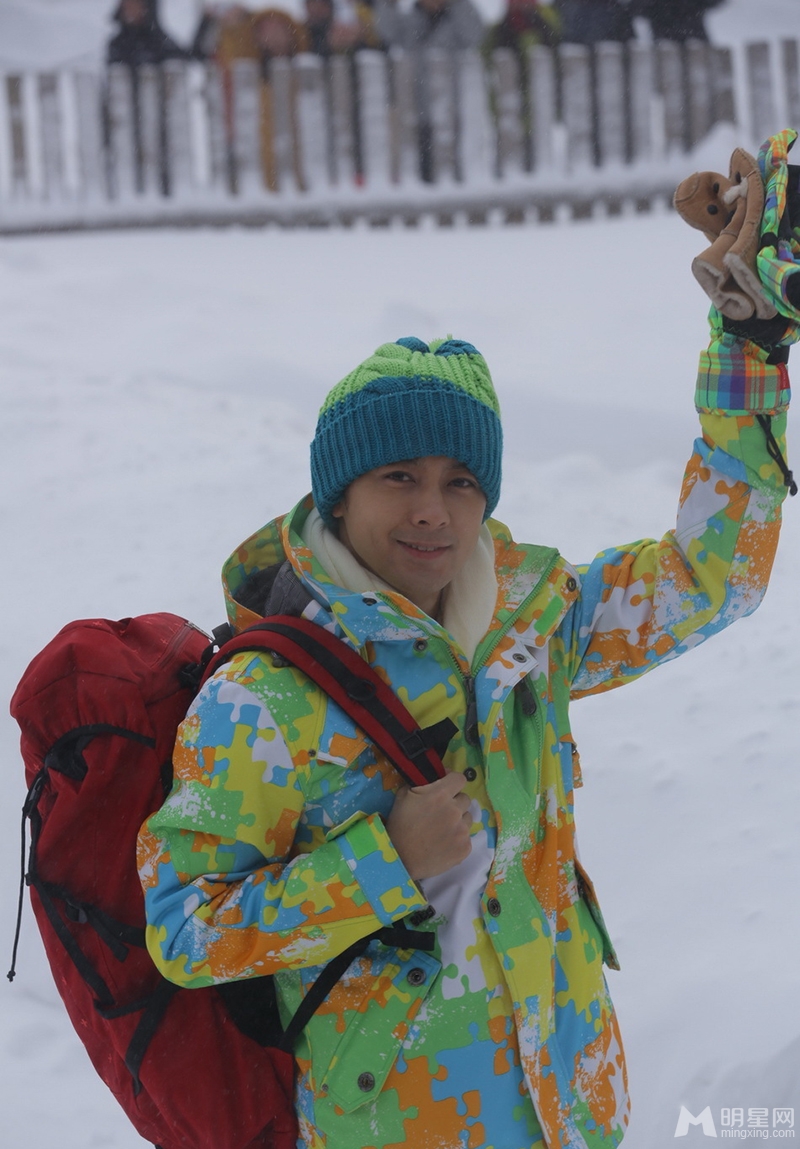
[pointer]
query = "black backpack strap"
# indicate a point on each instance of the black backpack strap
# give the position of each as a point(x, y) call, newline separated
point(397, 936)
point(351, 682)
point(145, 1031)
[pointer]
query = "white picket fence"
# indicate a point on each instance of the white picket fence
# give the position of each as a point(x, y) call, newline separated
point(335, 141)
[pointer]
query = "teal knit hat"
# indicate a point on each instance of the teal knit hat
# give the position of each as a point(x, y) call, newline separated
point(408, 401)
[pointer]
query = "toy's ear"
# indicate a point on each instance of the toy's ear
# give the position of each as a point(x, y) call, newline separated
point(700, 200)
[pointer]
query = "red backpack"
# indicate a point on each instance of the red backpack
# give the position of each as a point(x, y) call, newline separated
point(99, 708)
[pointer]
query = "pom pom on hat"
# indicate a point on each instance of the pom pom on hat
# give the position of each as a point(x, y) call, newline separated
point(407, 401)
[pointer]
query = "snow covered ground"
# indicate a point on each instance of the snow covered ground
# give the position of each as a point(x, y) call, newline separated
point(158, 394)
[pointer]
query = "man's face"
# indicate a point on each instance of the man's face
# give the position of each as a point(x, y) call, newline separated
point(133, 12)
point(274, 36)
point(319, 11)
point(413, 523)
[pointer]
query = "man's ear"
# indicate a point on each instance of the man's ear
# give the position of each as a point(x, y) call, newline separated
point(338, 512)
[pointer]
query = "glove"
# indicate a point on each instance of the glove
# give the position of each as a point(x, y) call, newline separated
point(728, 210)
point(751, 271)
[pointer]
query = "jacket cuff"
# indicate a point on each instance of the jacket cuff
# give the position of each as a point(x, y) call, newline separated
point(375, 864)
point(734, 377)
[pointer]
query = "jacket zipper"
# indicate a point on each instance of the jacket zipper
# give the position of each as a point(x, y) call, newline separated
point(471, 735)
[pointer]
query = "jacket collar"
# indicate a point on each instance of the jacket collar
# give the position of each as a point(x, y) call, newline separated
point(535, 589)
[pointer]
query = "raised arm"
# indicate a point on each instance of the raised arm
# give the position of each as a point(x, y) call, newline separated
point(649, 602)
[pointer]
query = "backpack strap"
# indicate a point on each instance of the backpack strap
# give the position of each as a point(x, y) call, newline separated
point(397, 936)
point(351, 682)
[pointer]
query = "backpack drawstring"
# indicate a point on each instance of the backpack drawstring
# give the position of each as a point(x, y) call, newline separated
point(29, 805)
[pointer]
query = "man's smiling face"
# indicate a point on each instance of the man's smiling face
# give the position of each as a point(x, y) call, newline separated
point(414, 523)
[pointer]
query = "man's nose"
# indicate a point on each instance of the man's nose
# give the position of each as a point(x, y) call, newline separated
point(430, 508)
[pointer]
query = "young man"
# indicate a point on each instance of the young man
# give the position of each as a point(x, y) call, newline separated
point(287, 837)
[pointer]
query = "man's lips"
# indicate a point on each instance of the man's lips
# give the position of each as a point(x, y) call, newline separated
point(423, 548)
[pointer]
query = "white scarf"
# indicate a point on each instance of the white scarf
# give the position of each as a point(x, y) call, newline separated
point(469, 600)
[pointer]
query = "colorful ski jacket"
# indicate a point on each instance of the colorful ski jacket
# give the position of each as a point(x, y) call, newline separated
point(271, 854)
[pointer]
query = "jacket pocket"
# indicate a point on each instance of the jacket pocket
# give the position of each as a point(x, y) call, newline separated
point(587, 893)
point(369, 1046)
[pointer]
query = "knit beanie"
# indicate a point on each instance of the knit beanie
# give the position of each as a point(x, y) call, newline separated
point(407, 401)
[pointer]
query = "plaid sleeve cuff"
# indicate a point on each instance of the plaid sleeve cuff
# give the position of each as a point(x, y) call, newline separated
point(734, 377)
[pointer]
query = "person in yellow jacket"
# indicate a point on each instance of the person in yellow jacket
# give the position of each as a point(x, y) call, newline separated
point(287, 836)
point(230, 33)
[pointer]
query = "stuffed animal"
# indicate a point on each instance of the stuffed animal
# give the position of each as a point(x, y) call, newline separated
point(728, 209)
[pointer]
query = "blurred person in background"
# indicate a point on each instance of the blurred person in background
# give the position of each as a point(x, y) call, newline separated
point(676, 20)
point(228, 33)
point(446, 25)
point(591, 21)
point(141, 39)
point(327, 34)
point(525, 24)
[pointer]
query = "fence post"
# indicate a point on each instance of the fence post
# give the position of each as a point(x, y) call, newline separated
point(220, 130)
point(178, 164)
point(723, 102)
point(312, 122)
point(120, 128)
point(611, 103)
point(51, 136)
point(641, 72)
point(32, 126)
point(439, 70)
point(280, 137)
point(576, 76)
point(791, 72)
point(342, 121)
point(247, 126)
point(542, 98)
point(18, 145)
point(671, 88)
point(149, 109)
point(762, 97)
point(92, 170)
point(373, 113)
point(475, 159)
point(6, 153)
point(66, 97)
point(405, 143)
point(508, 110)
point(698, 91)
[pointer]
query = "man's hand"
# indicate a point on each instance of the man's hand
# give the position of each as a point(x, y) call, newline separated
point(430, 826)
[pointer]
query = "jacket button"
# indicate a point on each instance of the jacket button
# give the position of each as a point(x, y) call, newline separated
point(420, 645)
point(416, 976)
point(470, 773)
point(366, 1082)
point(571, 584)
point(494, 907)
point(368, 600)
point(519, 657)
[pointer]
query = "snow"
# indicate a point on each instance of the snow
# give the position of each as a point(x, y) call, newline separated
point(159, 390)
